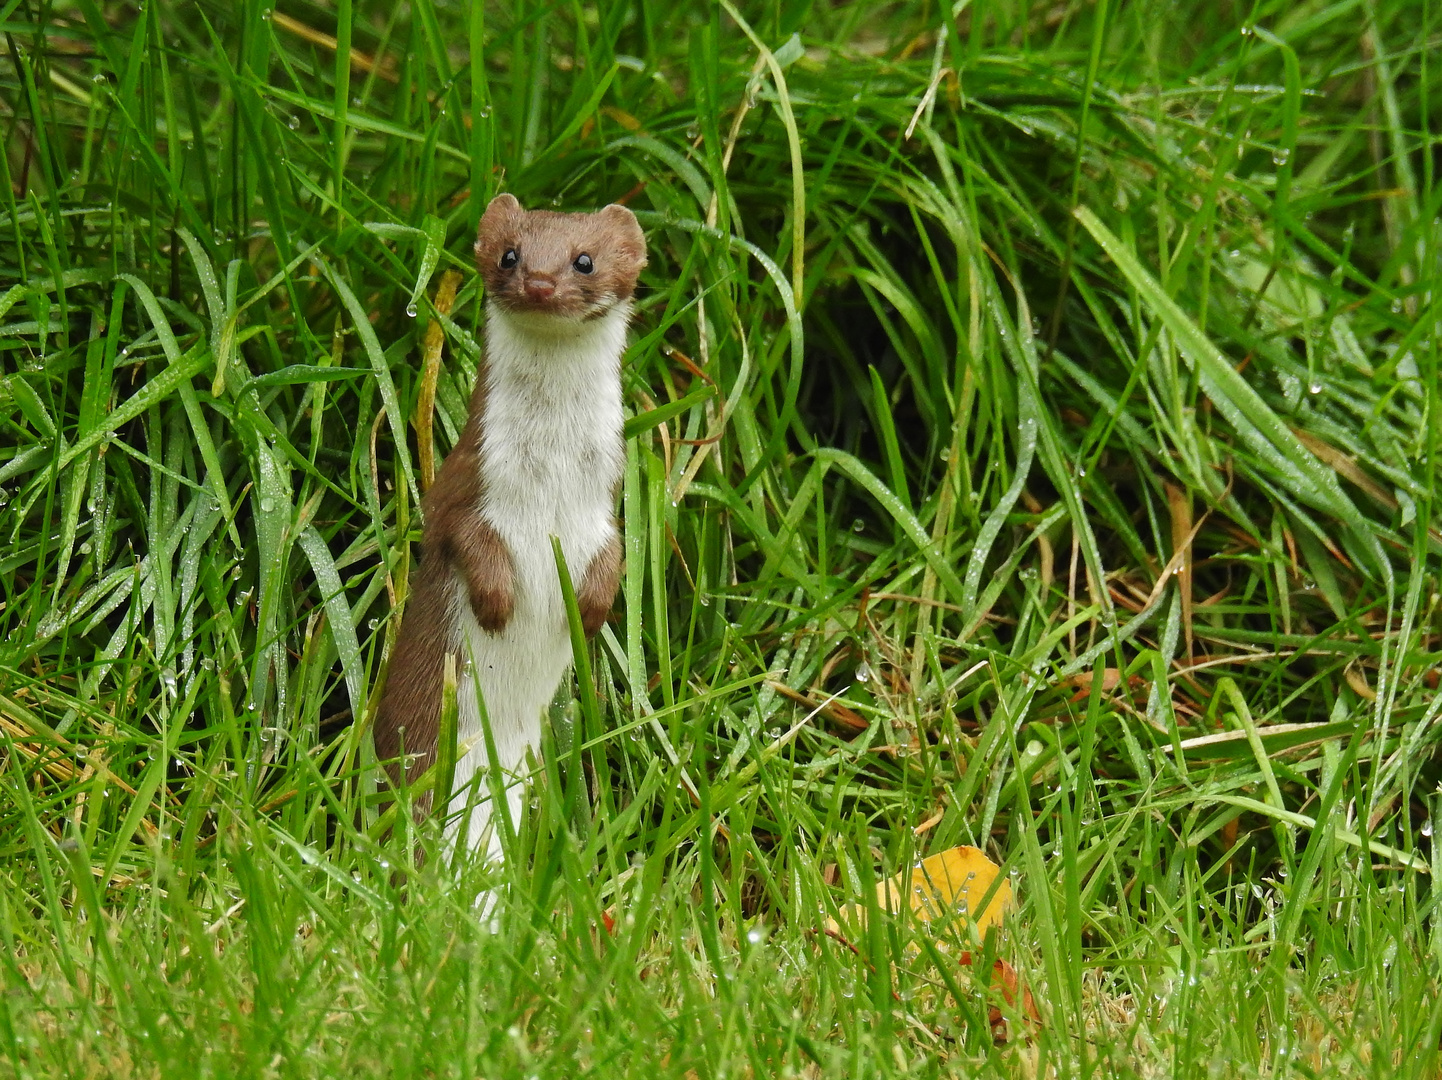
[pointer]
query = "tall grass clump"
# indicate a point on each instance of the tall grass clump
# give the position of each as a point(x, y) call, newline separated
point(1034, 444)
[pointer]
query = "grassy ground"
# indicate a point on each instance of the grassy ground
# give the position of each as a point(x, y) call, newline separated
point(1035, 446)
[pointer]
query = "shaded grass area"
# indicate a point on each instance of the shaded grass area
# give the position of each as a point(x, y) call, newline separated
point(1034, 445)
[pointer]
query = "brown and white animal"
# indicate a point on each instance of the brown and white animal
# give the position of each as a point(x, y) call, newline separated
point(540, 456)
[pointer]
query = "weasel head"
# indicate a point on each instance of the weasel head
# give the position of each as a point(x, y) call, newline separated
point(555, 272)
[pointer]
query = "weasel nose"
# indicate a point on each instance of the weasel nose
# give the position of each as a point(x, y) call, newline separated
point(540, 288)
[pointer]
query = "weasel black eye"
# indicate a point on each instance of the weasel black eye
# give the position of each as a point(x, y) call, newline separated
point(509, 259)
point(583, 263)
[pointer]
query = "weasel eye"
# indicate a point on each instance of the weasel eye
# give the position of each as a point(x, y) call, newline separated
point(583, 263)
point(509, 259)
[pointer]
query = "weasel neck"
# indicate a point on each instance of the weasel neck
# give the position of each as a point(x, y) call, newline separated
point(559, 351)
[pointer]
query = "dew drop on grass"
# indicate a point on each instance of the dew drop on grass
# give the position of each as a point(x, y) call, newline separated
point(863, 672)
point(293, 122)
point(1314, 388)
point(1427, 827)
point(411, 309)
point(754, 935)
point(858, 525)
point(1281, 156)
point(372, 623)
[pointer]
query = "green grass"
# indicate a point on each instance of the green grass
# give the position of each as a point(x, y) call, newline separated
point(1057, 385)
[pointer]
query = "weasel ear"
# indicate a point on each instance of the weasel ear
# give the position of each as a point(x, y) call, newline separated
point(621, 219)
point(505, 203)
point(501, 209)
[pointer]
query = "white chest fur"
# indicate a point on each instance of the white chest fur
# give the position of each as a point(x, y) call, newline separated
point(551, 442)
point(550, 459)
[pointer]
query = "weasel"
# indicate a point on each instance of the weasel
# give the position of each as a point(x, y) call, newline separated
point(541, 455)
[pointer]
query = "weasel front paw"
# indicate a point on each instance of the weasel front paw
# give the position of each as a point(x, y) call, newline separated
point(598, 587)
point(484, 565)
point(492, 603)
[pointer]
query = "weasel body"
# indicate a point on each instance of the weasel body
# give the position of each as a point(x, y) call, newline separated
point(540, 456)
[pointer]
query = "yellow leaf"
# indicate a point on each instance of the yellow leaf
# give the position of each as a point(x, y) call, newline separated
point(625, 119)
point(942, 888)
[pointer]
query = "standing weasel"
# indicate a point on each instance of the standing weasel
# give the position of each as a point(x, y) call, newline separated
point(540, 456)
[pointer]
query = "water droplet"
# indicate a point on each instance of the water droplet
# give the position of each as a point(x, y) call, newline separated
point(1314, 388)
point(167, 679)
point(863, 672)
point(1427, 827)
point(411, 309)
point(945, 454)
point(1281, 155)
point(85, 547)
point(1246, 31)
point(265, 14)
point(293, 122)
point(267, 505)
point(484, 112)
point(705, 601)
point(372, 623)
point(754, 935)
point(858, 525)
